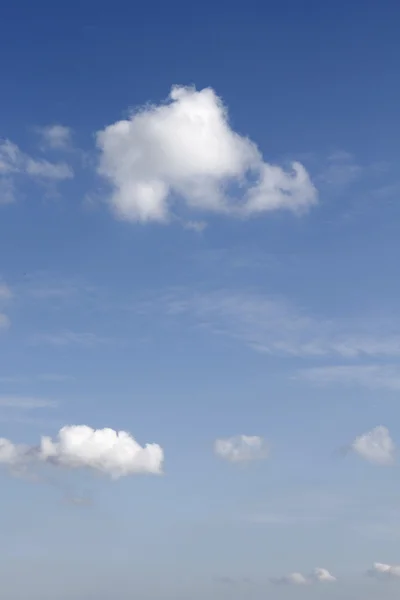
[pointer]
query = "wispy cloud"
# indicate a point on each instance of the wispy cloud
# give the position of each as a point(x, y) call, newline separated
point(241, 448)
point(370, 376)
point(44, 377)
point(5, 296)
point(318, 575)
point(67, 338)
point(25, 402)
point(341, 169)
point(56, 137)
point(14, 164)
point(273, 325)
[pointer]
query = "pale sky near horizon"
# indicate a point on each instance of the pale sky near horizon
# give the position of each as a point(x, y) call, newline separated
point(199, 315)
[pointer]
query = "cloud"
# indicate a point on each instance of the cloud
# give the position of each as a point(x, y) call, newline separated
point(57, 137)
point(319, 575)
point(185, 151)
point(273, 325)
point(341, 169)
point(369, 376)
point(375, 446)
point(67, 338)
point(25, 402)
point(114, 453)
point(5, 292)
point(15, 164)
point(4, 321)
point(46, 170)
point(5, 296)
point(13, 160)
point(322, 575)
point(241, 448)
point(384, 571)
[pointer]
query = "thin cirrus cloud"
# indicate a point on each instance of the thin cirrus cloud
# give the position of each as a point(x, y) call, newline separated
point(369, 376)
point(184, 150)
point(25, 402)
point(319, 575)
point(241, 448)
point(274, 326)
point(113, 453)
point(68, 338)
point(384, 571)
point(375, 446)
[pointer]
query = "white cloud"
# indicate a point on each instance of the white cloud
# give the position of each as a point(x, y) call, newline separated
point(114, 453)
point(185, 151)
point(383, 571)
point(46, 170)
point(57, 137)
point(273, 326)
point(241, 448)
point(322, 575)
point(15, 163)
point(319, 575)
point(369, 376)
point(375, 446)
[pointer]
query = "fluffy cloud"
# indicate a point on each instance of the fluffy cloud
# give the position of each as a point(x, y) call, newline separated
point(383, 571)
point(322, 575)
point(319, 575)
point(114, 453)
point(375, 446)
point(57, 137)
point(185, 151)
point(241, 448)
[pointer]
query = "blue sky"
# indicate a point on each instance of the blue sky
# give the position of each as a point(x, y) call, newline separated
point(198, 242)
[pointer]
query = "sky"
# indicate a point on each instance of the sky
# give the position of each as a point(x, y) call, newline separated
point(199, 316)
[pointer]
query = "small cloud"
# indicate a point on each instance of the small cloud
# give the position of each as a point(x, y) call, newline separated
point(375, 446)
point(318, 575)
point(241, 448)
point(384, 571)
point(15, 164)
point(43, 169)
point(5, 292)
point(294, 578)
point(113, 453)
point(56, 137)
point(322, 575)
point(197, 226)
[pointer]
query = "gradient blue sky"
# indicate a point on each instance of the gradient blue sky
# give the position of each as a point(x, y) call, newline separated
point(281, 325)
